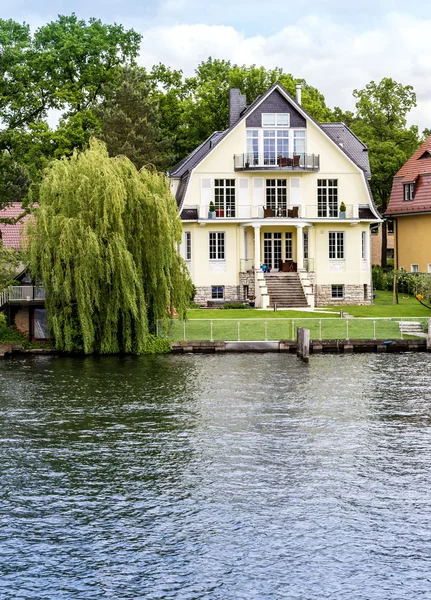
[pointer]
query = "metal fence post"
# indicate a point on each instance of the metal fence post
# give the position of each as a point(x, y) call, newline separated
point(347, 329)
point(293, 329)
point(266, 331)
point(211, 331)
point(239, 331)
point(374, 322)
point(184, 325)
point(400, 325)
point(320, 329)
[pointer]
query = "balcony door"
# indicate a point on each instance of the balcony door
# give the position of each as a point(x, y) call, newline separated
point(272, 249)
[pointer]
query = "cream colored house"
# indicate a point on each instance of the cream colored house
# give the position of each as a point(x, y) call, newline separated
point(277, 180)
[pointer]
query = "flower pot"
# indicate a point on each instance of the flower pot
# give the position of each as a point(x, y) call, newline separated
point(342, 214)
point(211, 215)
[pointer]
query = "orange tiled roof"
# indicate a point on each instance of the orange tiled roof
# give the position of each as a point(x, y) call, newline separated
point(416, 170)
point(11, 234)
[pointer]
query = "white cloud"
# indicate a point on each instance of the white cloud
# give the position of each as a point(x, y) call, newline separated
point(334, 57)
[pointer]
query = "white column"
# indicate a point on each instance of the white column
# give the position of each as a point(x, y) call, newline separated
point(256, 246)
point(241, 248)
point(299, 247)
point(311, 248)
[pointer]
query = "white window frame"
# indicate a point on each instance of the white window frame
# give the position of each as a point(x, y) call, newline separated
point(364, 246)
point(409, 191)
point(338, 250)
point(329, 209)
point(217, 297)
point(259, 160)
point(231, 208)
point(429, 268)
point(275, 121)
point(414, 268)
point(335, 288)
point(188, 245)
point(219, 249)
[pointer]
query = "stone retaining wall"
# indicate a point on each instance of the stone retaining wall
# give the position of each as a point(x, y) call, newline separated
point(353, 295)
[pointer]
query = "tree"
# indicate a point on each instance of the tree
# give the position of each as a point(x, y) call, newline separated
point(380, 122)
point(104, 244)
point(9, 261)
point(14, 181)
point(129, 119)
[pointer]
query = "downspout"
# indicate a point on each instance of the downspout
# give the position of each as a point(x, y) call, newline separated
point(394, 220)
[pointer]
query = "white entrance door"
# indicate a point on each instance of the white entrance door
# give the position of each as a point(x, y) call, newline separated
point(272, 249)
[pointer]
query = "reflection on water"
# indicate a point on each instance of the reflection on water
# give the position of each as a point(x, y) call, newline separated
point(216, 477)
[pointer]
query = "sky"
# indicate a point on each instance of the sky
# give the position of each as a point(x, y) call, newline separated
point(335, 45)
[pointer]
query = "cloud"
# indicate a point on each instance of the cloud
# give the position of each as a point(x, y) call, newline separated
point(334, 57)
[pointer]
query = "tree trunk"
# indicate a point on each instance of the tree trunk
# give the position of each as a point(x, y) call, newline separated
point(384, 243)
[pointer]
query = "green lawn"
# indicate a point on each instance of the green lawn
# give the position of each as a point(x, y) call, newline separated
point(253, 324)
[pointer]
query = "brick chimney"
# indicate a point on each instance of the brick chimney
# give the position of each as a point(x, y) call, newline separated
point(237, 103)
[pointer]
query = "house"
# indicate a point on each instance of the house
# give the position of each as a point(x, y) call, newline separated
point(376, 243)
point(24, 303)
point(277, 181)
point(410, 209)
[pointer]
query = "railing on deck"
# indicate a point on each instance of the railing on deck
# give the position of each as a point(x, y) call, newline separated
point(304, 211)
point(274, 329)
point(286, 161)
point(246, 264)
point(22, 293)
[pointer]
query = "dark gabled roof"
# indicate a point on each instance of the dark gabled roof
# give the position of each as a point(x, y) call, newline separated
point(197, 155)
point(349, 143)
point(365, 213)
point(189, 214)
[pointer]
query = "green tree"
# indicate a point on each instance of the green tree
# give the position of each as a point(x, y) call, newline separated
point(380, 122)
point(129, 119)
point(9, 261)
point(104, 244)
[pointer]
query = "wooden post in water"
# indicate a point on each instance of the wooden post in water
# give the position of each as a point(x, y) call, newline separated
point(429, 336)
point(303, 343)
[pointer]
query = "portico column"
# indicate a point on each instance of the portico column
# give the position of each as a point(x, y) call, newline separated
point(299, 247)
point(256, 246)
point(311, 248)
point(242, 266)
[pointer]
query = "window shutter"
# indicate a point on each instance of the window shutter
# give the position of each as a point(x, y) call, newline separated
point(295, 191)
point(206, 191)
point(258, 191)
point(243, 198)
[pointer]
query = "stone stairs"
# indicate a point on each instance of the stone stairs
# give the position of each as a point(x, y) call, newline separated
point(285, 290)
point(411, 328)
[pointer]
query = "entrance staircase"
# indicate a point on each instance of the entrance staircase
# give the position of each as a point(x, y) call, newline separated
point(285, 290)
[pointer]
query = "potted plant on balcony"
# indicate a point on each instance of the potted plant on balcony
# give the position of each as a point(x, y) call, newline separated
point(342, 211)
point(212, 211)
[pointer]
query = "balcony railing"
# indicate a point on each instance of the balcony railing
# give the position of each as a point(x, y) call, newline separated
point(26, 293)
point(304, 211)
point(271, 161)
point(246, 264)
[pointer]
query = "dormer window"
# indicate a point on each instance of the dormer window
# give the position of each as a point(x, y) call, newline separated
point(409, 191)
point(275, 120)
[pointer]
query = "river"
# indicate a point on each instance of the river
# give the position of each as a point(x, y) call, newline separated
point(234, 477)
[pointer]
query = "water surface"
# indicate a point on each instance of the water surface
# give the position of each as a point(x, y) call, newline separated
point(232, 477)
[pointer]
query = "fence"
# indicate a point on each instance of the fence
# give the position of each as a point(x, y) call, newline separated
point(285, 329)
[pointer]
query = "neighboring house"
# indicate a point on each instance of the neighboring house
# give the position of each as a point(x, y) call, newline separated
point(376, 243)
point(24, 304)
point(277, 180)
point(410, 209)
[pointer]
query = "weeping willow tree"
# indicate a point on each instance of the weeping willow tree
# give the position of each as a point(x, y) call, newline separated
point(104, 242)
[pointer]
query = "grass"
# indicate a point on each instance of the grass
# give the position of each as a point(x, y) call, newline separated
point(372, 322)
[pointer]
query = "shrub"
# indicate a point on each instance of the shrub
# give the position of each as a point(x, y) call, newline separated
point(236, 305)
point(156, 345)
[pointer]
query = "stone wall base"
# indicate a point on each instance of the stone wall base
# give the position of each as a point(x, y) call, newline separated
point(353, 294)
point(21, 322)
point(232, 293)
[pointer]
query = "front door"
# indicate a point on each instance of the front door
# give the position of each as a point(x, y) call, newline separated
point(272, 249)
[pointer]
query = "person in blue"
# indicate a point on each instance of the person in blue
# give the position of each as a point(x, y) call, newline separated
point(265, 269)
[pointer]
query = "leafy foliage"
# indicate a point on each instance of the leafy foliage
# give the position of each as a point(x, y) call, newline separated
point(104, 244)
point(9, 261)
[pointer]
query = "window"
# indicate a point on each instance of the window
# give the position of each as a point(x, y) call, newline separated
point(374, 229)
point(217, 292)
point(276, 196)
point(337, 291)
point(409, 191)
point(390, 225)
point(187, 245)
point(216, 245)
point(224, 197)
point(414, 268)
point(299, 141)
point(289, 246)
point(327, 198)
point(336, 244)
point(253, 146)
point(390, 253)
point(429, 267)
point(364, 245)
point(275, 144)
point(275, 120)
point(305, 234)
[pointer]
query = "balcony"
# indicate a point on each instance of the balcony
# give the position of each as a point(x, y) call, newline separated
point(304, 211)
point(272, 162)
point(22, 293)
